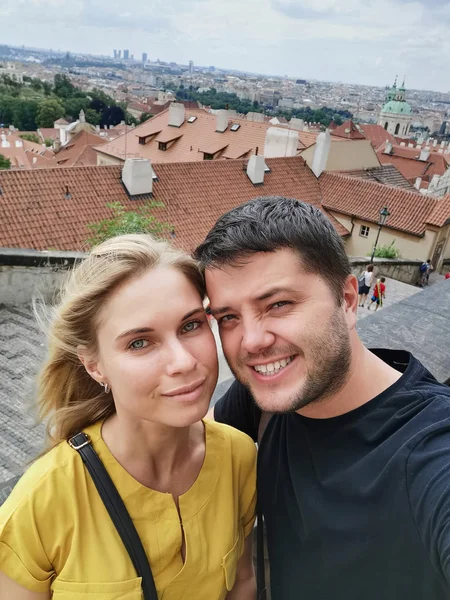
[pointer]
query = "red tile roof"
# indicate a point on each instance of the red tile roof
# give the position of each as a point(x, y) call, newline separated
point(79, 151)
point(195, 136)
point(386, 174)
point(35, 213)
point(441, 213)
point(348, 130)
point(377, 135)
point(406, 160)
point(364, 199)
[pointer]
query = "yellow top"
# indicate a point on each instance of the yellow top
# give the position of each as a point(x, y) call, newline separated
point(56, 533)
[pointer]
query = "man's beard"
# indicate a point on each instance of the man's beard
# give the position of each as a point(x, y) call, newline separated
point(328, 355)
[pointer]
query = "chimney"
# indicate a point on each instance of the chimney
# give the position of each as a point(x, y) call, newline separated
point(321, 152)
point(441, 151)
point(34, 160)
point(255, 169)
point(418, 183)
point(19, 144)
point(176, 114)
point(419, 145)
point(424, 154)
point(137, 176)
point(402, 144)
point(410, 145)
point(221, 121)
point(63, 136)
point(435, 143)
point(297, 124)
point(5, 143)
point(280, 142)
point(57, 145)
point(442, 144)
point(97, 128)
point(82, 116)
point(388, 148)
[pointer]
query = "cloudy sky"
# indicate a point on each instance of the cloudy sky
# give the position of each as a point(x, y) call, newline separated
point(358, 41)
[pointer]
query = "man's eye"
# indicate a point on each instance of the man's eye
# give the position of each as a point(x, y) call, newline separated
point(280, 304)
point(226, 319)
point(138, 344)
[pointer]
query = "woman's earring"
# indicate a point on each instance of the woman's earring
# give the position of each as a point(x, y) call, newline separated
point(106, 386)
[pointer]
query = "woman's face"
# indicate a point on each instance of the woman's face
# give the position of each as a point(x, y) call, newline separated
point(156, 349)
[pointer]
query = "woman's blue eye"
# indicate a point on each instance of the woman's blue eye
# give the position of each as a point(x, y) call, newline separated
point(138, 344)
point(191, 326)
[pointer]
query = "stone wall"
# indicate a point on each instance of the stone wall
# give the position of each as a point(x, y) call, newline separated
point(27, 274)
point(406, 271)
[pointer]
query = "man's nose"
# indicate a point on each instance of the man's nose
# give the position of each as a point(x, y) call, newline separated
point(256, 337)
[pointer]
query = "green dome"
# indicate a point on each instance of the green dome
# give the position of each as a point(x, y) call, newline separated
point(397, 107)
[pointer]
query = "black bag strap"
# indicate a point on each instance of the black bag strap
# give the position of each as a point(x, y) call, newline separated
point(261, 589)
point(81, 442)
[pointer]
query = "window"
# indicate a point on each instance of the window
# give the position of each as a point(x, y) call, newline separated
point(234, 127)
point(397, 128)
point(162, 146)
point(364, 231)
point(386, 125)
point(207, 156)
point(192, 119)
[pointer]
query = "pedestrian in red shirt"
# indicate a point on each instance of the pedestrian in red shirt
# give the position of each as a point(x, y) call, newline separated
point(378, 293)
point(447, 275)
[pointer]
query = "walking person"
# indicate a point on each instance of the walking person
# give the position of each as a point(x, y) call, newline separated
point(424, 273)
point(364, 285)
point(132, 364)
point(378, 293)
point(354, 453)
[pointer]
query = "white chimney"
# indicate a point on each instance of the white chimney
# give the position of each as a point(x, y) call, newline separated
point(441, 151)
point(63, 136)
point(19, 144)
point(410, 145)
point(97, 128)
point(280, 142)
point(221, 121)
point(297, 124)
point(5, 143)
point(402, 144)
point(82, 116)
point(419, 145)
point(388, 148)
point(321, 152)
point(424, 154)
point(442, 144)
point(435, 143)
point(418, 183)
point(34, 160)
point(255, 169)
point(176, 114)
point(137, 176)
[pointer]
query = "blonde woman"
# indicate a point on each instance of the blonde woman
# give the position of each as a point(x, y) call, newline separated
point(132, 363)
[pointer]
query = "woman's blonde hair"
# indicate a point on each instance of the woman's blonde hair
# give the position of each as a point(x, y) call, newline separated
point(67, 396)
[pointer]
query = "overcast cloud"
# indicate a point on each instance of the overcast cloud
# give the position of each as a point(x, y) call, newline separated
point(359, 41)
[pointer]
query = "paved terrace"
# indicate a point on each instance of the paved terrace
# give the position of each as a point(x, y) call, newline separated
point(415, 319)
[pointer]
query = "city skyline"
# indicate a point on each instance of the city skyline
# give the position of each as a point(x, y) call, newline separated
point(356, 41)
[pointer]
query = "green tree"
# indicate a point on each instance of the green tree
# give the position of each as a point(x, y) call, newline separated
point(63, 87)
point(48, 112)
point(122, 221)
point(74, 105)
point(31, 137)
point(47, 87)
point(92, 116)
point(388, 251)
point(48, 142)
point(145, 117)
point(5, 163)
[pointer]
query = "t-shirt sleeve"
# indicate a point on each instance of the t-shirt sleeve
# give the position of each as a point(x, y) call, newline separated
point(22, 555)
point(428, 484)
point(238, 409)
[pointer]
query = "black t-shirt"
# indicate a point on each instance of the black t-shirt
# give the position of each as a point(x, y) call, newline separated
point(357, 507)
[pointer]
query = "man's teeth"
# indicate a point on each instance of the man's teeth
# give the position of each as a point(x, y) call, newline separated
point(273, 368)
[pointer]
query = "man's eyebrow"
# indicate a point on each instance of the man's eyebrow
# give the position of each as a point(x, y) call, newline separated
point(140, 330)
point(265, 296)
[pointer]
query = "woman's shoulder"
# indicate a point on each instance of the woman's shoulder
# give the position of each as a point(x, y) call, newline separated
point(237, 441)
point(44, 481)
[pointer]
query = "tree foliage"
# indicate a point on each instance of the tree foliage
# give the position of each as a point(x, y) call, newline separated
point(388, 251)
point(122, 222)
point(5, 163)
point(31, 137)
point(48, 112)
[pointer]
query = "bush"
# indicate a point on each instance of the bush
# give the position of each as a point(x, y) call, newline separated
point(388, 251)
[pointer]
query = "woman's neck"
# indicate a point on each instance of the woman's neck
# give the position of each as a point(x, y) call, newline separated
point(157, 455)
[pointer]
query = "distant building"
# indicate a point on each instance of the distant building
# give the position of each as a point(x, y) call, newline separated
point(191, 66)
point(11, 72)
point(126, 54)
point(144, 57)
point(119, 54)
point(396, 114)
point(115, 54)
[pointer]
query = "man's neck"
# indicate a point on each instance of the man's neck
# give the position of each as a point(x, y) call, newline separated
point(368, 377)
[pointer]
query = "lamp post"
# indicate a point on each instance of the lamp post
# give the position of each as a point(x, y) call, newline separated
point(384, 214)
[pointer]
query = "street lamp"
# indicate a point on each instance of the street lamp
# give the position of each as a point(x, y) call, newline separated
point(384, 214)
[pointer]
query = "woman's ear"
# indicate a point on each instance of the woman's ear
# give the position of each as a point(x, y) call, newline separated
point(91, 364)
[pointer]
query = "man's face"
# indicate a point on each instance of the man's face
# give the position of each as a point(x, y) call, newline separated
point(283, 334)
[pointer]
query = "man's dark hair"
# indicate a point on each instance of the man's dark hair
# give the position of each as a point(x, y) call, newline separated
point(270, 223)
